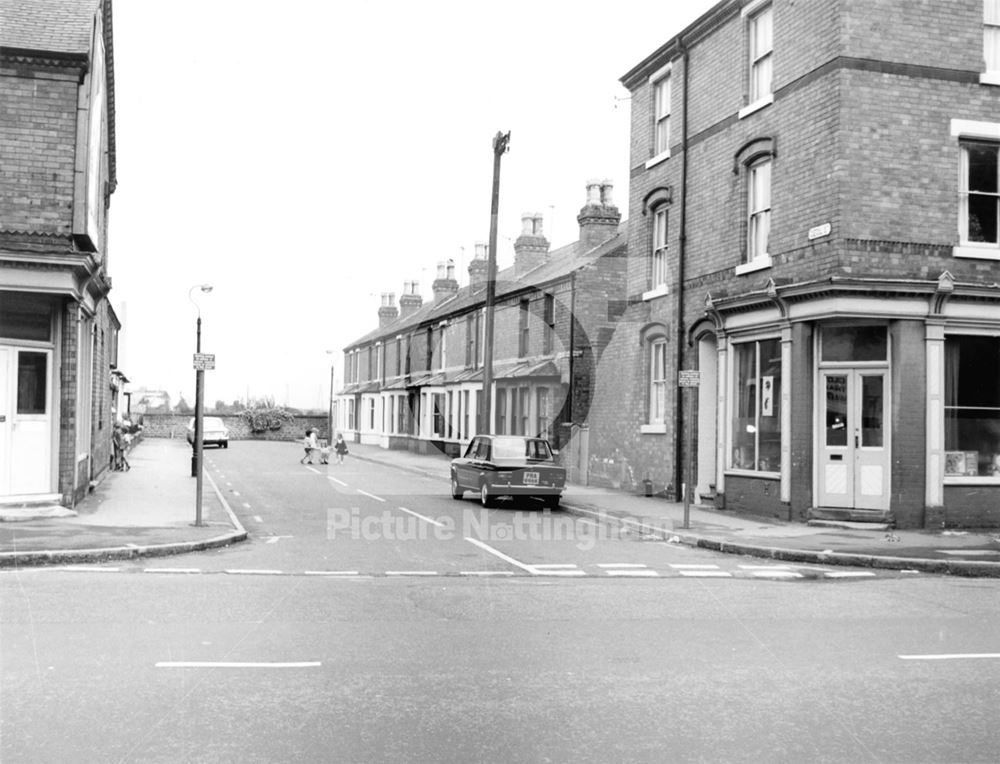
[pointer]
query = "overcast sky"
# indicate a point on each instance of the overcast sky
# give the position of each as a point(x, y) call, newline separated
point(303, 158)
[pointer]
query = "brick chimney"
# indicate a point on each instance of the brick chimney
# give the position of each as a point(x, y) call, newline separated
point(531, 248)
point(445, 285)
point(599, 217)
point(388, 312)
point(479, 267)
point(410, 300)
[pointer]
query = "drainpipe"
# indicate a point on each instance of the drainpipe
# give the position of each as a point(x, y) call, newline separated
point(681, 255)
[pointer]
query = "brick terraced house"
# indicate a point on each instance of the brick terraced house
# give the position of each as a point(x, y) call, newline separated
point(813, 226)
point(416, 381)
point(58, 332)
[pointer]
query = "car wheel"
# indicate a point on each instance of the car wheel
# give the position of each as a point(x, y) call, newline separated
point(226, 444)
point(456, 490)
point(485, 497)
point(551, 502)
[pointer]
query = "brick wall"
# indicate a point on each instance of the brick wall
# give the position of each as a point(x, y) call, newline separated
point(37, 149)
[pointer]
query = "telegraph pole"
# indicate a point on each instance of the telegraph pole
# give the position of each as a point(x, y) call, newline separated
point(500, 147)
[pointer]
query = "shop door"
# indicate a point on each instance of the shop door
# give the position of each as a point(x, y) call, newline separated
point(25, 421)
point(854, 449)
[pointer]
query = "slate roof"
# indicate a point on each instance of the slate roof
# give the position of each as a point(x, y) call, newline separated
point(54, 26)
point(559, 264)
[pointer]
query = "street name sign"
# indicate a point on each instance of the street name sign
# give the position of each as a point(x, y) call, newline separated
point(689, 378)
point(204, 361)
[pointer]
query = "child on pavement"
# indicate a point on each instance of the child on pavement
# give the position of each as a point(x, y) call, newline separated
point(340, 447)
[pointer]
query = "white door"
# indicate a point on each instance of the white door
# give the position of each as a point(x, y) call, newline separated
point(26, 426)
point(854, 444)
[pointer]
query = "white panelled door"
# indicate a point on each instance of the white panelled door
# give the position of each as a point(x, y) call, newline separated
point(25, 421)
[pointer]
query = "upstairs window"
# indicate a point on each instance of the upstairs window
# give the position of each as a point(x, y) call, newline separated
point(661, 106)
point(758, 211)
point(658, 381)
point(549, 316)
point(658, 257)
point(522, 334)
point(991, 41)
point(761, 52)
point(979, 194)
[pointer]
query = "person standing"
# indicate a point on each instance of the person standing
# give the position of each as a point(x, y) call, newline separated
point(340, 446)
point(311, 445)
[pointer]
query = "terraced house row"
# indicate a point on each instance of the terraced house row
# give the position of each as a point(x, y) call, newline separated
point(59, 381)
point(813, 216)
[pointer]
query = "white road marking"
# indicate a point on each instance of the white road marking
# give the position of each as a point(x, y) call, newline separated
point(235, 664)
point(685, 566)
point(705, 573)
point(256, 518)
point(776, 573)
point(252, 572)
point(313, 469)
point(544, 572)
point(633, 573)
point(848, 573)
point(764, 567)
point(420, 516)
point(331, 572)
point(411, 572)
point(554, 566)
point(236, 493)
point(369, 495)
point(948, 656)
point(172, 570)
point(621, 565)
point(275, 539)
point(338, 482)
point(486, 573)
point(501, 555)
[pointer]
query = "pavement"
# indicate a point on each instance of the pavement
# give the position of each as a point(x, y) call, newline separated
point(150, 511)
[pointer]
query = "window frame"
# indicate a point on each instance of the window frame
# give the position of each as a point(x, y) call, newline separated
point(991, 29)
point(656, 384)
point(659, 116)
point(969, 132)
point(757, 97)
point(733, 406)
point(954, 334)
point(659, 249)
point(754, 213)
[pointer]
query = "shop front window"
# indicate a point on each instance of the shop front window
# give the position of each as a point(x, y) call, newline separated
point(972, 406)
point(756, 423)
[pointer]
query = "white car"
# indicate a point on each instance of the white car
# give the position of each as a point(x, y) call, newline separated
point(213, 431)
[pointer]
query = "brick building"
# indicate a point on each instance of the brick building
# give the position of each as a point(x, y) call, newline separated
point(813, 225)
point(58, 332)
point(416, 381)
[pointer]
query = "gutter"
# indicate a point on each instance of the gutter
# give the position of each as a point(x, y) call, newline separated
point(681, 255)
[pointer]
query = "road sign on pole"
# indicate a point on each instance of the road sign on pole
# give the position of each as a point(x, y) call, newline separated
point(203, 361)
point(688, 378)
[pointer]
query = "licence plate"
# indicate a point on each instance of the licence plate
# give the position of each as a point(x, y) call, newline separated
point(531, 478)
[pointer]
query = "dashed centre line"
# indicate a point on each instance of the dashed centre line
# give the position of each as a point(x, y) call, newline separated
point(421, 517)
point(369, 495)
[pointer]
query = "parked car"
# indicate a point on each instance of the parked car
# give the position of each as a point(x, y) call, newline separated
point(508, 465)
point(213, 431)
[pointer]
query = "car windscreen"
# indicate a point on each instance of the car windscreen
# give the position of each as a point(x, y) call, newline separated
point(520, 448)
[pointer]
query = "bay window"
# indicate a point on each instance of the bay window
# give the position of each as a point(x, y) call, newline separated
point(756, 406)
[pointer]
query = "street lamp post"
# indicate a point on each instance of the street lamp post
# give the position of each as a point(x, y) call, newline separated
point(330, 431)
point(501, 143)
point(199, 394)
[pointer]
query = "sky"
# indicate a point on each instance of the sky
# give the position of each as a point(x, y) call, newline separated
point(305, 158)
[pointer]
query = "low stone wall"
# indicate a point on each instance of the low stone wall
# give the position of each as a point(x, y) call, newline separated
point(175, 426)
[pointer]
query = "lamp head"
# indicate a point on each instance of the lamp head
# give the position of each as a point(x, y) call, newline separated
point(206, 288)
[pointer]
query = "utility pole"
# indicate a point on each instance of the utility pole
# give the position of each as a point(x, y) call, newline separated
point(500, 147)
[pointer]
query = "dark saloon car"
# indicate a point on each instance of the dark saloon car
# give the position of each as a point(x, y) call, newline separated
point(508, 465)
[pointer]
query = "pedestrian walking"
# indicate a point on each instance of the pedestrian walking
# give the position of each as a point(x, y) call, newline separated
point(340, 446)
point(310, 446)
point(118, 441)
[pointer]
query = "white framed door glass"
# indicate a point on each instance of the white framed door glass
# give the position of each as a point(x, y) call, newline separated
point(27, 432)
point(854, 444)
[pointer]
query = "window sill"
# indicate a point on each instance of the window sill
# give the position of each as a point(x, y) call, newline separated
point(655, 292)
point(653, 429)
point(977, 251)
point(661, 157)
point(757, 105)
point(754, 474)
point(758, 264)
point(982, 480)
point(989, 78)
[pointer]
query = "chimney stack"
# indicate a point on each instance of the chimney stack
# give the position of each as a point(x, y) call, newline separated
point(410, 301)
point(479, 267)
point(445, 285)
point(531, 248)
point(388, 312)
point(599, 217)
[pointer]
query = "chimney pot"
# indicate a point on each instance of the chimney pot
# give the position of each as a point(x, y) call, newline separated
point(606, 189)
